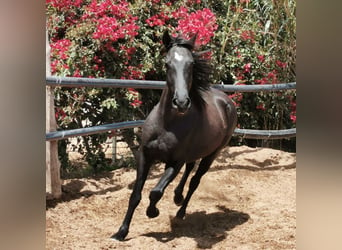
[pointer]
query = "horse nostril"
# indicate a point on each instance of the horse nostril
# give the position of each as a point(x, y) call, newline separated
point(175, 102)
point(181, 105)
point(188, 102)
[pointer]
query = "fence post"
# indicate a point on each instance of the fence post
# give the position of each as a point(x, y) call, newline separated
point(53, 181)
point(114, 147)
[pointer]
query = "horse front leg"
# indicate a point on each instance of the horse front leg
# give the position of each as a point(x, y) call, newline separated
point(157, 192)
point(142, 171)
point(178, 198)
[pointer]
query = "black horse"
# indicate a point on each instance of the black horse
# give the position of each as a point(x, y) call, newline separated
point(191, 121)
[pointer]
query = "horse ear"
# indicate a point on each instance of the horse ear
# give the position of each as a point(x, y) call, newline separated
point(193, 39)
point(166, 39)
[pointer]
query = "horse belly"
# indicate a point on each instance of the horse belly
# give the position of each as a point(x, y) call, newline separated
point(210, 134)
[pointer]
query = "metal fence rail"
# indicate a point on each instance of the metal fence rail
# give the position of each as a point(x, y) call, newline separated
point(56, 81)
point(265, 134)
point(64, 134)
point(245, 133)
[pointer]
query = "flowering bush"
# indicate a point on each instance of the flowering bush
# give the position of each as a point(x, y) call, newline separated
point(201, 22)
point(255, 43)
point(251, 42)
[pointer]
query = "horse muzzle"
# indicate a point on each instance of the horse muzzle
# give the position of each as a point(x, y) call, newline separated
point(181, 105)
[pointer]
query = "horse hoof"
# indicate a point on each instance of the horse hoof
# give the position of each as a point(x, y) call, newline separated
point(118, 236)
point(152, 212)
point(178, 199)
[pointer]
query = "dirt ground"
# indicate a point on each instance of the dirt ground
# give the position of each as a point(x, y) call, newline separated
point(247, 200)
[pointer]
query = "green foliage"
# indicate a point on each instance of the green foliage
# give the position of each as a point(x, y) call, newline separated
point(256, 44)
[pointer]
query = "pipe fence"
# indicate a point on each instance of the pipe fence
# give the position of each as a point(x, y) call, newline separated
point(75, 82)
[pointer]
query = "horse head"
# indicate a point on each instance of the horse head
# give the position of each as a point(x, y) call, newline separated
point(179, 70)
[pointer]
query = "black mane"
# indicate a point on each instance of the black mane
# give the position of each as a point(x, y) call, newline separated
point(202, 70)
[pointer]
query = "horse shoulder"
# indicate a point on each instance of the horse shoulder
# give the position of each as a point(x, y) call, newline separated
point(220, 110)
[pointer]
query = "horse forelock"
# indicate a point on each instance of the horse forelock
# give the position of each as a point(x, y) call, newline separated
point(181, 42)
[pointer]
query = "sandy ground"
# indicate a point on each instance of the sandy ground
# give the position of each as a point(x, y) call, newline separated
point(247, 200)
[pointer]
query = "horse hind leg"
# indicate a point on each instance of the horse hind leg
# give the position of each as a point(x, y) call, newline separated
point(157, 192)
point(195, 180)
point(178, 198)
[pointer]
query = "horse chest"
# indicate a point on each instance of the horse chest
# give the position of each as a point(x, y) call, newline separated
point(166, 146)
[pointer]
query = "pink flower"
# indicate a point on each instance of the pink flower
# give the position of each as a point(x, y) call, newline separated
point(262, 81)
point(261, 58)
point(293, 107)
point(105, 29)
point(201, 22)
point(97, 59)
point(117, 9)
point(157, 20)
point(109, 46)
point(236, 9)
point(281, 64)
point(109, 29)
point(238, 54)
point(247, 68)
point(272, 76)
point(133, 73)
point(136, 103)
point(237, 97)
point(182, 12)
point(261, 106)
point(77, 73)
point(60, 114)
point(192, 2)
point(60, 48)
point(293, 118)
point(247, 35)
point(153, 1)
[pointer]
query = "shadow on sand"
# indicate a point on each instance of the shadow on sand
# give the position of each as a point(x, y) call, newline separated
point(205, 229)
point(72, 190)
